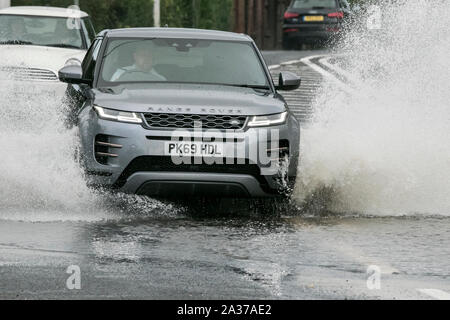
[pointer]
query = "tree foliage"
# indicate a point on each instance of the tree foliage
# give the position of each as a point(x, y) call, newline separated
point(204, 14)
point(111, 14)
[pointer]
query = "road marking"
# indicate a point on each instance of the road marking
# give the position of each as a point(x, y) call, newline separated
point(326, 74)
point(288, 63)
point(337, 69)
point(436, 294)
point(275, 66)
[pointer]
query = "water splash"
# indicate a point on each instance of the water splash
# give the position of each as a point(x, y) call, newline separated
point(40, 179)
point(386, 149)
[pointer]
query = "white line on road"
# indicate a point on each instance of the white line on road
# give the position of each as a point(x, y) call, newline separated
point(436, 294)
point(325, 73)
point(337, 69)
point(275, 66)
point(313, 66)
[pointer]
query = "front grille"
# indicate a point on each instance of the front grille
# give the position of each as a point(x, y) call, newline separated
point(191, 121)
point(24, 74)
point(165, 164)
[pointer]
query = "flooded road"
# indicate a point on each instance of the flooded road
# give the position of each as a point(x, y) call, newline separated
point(191, 257)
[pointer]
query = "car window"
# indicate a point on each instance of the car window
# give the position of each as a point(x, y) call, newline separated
point(90, 29)
point(309, 4)
point(42, 31)
point(182, 61)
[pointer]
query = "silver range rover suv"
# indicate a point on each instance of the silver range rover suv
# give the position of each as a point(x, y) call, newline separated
point(170, 112)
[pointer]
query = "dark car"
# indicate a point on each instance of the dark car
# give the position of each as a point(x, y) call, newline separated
point(183, 112)
point(313, 21)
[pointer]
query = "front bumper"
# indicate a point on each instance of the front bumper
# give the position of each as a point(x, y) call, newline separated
point(188, 184)
point(140, 166)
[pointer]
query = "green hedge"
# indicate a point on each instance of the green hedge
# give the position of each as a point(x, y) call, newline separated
point(110, 14)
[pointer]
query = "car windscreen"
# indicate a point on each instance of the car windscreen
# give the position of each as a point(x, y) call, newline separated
point(309, 4)
point(181, 61)
point(42, 31)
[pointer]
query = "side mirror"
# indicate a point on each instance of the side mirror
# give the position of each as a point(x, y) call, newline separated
point(73, 75)
point(288, 81)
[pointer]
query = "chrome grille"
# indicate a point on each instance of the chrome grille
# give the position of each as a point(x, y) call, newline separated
point(191, 121)
point(28, 74)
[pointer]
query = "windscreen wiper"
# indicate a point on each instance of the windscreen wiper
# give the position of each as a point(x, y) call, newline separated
point(17, 42)
point(62, 45)
point(251, 86)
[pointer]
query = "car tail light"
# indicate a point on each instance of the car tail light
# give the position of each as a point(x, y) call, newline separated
point(290, 30)
point(290, 15)
point(338, 15)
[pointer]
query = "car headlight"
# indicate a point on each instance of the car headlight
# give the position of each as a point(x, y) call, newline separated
point(267, 121)
point(116, 115)
point(73, 62)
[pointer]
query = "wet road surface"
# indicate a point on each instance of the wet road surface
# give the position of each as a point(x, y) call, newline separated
point(226, 258)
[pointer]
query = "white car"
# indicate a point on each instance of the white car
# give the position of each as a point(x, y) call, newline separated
point(35, 42)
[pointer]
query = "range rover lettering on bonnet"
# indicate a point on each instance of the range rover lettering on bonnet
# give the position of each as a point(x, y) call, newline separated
point(190, 110)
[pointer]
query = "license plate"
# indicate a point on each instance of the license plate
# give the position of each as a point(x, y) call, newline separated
point(313, 18)
point(196, 149)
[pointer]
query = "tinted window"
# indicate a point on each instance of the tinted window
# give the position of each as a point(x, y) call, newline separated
point(308, 4)
point(182, 61)
point(43, 31)
point(89, 28)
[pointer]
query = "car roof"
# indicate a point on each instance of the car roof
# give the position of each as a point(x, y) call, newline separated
point(182, 33)
point(44, 12)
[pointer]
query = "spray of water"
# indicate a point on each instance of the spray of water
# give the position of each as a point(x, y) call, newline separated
point(382, 151)
point(385, 150)
point(40, 179)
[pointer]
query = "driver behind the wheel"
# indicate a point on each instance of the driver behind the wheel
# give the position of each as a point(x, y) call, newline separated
point(141, 70)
